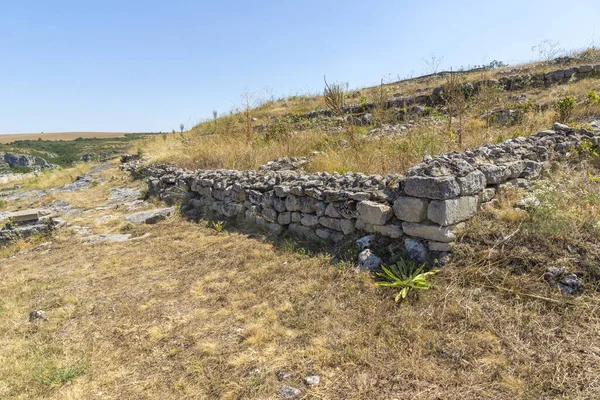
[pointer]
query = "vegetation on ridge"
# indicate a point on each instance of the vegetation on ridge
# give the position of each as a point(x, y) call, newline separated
point(334, 144)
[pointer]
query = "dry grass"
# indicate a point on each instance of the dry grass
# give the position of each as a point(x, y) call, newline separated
point(338, 152)
point(11, 137)
point(224, 143)
point(187, 313)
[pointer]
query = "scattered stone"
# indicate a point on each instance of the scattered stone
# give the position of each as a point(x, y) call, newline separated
point(151, 216)
point(283, 374)
point(312, 380)
point(529, 203)
point(416, 250)
point(567, 283)
point(60, 206)
point(288, 392)
point(364, 242)
point(367, 261)
point(37, 316)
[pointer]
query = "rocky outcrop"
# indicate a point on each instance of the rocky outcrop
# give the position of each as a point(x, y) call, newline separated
point(422, 209)
point(15, 160)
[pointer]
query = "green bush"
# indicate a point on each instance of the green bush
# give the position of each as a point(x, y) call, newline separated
point(593, 97)
point(565, 107)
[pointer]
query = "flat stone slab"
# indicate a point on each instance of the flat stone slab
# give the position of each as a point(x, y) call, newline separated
point(124, 195)
point(24, 216)
point(108, 237)
point(150, 216)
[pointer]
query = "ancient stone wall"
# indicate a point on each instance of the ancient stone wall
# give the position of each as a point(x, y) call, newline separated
point(421, 209)
point(434, 96)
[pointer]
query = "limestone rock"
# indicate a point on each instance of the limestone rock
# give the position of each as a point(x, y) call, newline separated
point(288, 392)
point(432, 232)
point(150, 216)
point(312, 380)
point(367, 261)
point(410, 209)
point(416, 250)
point(472, 183)
point(373, 213)
point(450, 212)
point(364, 242)
point(432, 187)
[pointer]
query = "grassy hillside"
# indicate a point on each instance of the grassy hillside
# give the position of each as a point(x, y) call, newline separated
point(186, 312)
point(248, 137)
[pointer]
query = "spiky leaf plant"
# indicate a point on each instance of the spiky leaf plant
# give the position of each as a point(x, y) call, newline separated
point(406, 276)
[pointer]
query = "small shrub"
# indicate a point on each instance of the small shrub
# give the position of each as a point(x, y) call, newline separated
point(406, 276)
point(565, 107)
point(593, 97)
point(335, 95)
point(587, 149)
point(217, 226)
point(58, 376)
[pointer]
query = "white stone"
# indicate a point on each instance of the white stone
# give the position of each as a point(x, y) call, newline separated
point(450, 212)
point(432, 232)
point(374, 213)
point(368, 261)
point(410, 209)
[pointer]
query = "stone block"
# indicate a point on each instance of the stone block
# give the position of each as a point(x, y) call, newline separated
point(411, 209)
point(495, 174)
point(292, 203)
point(296, 216)
point(374, 213)
point(363, 226)
point(270, 214)
point(309, 220)
point(392, 231)
point(452, 211)
point(331, 223)
point(432, 187)
point(473, 182)
point(279, 204)
point(307, 205)
point(330, 211)
point(440, 246)
point(431, 232)
point(486, 195)
point(284, 218)
point(302, 232)
point(24, 216)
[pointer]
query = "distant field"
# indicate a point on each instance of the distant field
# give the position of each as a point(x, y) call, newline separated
point(8, 138)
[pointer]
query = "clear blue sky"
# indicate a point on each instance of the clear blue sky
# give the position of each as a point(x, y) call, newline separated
point(150, 65)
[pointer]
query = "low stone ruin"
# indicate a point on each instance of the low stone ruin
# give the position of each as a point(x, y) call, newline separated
point(422, 209)
point(435, 96)
point(25, 223)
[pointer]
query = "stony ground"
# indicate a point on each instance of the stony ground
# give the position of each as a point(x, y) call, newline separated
point(176, 309)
